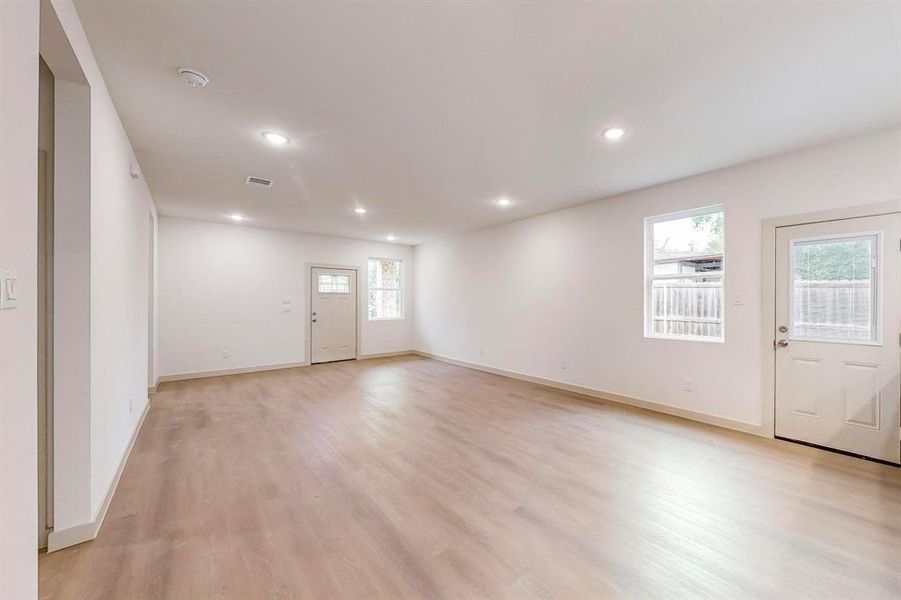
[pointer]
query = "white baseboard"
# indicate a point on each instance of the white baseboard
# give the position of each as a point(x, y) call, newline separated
point(594, 394)
point(386, 354)
point(221, 372)
point(63, 538)
point(259, 369)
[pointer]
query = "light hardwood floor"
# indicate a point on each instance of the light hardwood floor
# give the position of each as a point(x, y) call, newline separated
point(412, 478)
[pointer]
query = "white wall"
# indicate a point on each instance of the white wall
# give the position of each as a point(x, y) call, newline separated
point(568, 285)
point(18, 326)
point(72, 305)
point(119, 210)
point(117, 214)
point(221, 287)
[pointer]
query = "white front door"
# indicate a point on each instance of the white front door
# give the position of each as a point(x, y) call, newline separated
point(333, 315)
point(838, 330)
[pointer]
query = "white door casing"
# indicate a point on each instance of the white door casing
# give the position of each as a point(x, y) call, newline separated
point(838, 322)
point(333, 314)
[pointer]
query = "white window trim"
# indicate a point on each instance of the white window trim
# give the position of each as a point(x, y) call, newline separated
point(400, 289)
point(649, 276)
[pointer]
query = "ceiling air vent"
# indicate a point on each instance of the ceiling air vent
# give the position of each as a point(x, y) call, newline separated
point(259, 181)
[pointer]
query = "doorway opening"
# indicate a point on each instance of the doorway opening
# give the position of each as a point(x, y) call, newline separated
point(151, 303)
point(45, 301)
point(63, 288)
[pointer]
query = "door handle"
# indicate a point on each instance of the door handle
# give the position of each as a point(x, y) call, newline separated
point(782, 343)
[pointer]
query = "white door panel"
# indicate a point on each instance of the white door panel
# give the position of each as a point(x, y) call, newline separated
point(838, 321)
point(333, 318)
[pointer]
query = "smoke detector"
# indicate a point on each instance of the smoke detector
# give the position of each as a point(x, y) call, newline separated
point(258, 181)
point(193, 77)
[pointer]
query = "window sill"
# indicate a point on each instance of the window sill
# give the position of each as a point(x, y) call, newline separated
point(686, 338)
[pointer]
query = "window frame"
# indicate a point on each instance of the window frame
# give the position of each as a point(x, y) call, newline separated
point(399, 289)
point(650, 277)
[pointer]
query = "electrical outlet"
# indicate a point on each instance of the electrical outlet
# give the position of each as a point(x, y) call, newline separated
point(688, 385)
point(225, 354)
point(563, 365)
point(737, 299)
point(131, 404)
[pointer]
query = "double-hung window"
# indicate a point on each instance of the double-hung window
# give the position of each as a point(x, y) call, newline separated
point(386, 289)
point(684, 271)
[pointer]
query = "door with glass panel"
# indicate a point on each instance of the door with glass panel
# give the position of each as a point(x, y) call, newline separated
point(837, 344)
point(333, 315)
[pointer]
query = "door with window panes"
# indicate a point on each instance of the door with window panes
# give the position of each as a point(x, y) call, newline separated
point(333, 315)
point(838, 320)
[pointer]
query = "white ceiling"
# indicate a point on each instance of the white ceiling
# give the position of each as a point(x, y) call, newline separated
point(424, 112)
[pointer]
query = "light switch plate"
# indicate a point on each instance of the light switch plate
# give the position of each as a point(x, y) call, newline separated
point(134, 170)
point(9, 289)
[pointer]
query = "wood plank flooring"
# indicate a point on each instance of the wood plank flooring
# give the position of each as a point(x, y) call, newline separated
point(412, 478)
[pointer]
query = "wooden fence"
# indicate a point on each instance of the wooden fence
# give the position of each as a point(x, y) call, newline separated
point(688, 308)
point(822, 309)
point(832, 309)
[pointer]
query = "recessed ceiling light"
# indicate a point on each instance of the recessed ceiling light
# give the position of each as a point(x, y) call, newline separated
point(193, 77)
point(276, 139)
point(236, 217)
point(390, 237)
point(360, 210)
point(614, 133)
point(503, 201)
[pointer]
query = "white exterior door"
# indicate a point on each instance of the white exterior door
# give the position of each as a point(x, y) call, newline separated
point(333, 315)
point(838, 322)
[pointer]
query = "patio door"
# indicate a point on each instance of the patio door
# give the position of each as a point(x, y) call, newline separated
point(838, 329)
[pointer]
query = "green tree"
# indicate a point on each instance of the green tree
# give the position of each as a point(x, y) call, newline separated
point(833, 261)
point(712, 224)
